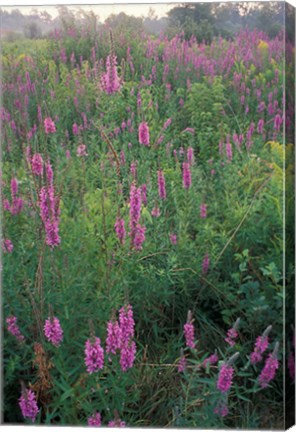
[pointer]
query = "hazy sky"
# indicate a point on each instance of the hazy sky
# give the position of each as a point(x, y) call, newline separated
point(103, 11)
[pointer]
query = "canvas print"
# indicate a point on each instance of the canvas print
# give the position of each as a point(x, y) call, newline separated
point(147, 207)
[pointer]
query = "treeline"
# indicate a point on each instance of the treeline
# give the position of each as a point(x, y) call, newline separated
point(39, 24)
point(202, 20)
point(208, 20)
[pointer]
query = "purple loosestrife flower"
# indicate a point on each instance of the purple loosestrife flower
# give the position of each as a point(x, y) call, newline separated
point(144, 193)
point(127, 345)
point(212, 359)
point(135, 205)
point(225, 378)
point(205, 264)
point(277, 122)
point(6, 205)
point(155, 212)
point(28, 405)
point(120, 230)
point(49, 172)
point(94, 355)
point(7, 246)
point(167, 123)
point(17, 203)
point(190, 155)
point(182, 362)
point(110, 82)
point(203, 211)
point(122, 158)
point(113, 341)
point(116, 423)
point(261, 346)
point(173, 238)
point(81, 150)
point(37, 164)
point(232, 334)
point(133, 169)
point(127, 356)
point(144, 137)
point(13, 328)
point(260, 126)
point(95, 420)
point(291, 366)
point(49, 126)
point(186, 175)
point(189, 331)
point(75, 129)
point(161, 185)
point(229, 151)
point(53, 331)
point(269, 370)
point(127, 323)
point(221, 409)
point(13, 188)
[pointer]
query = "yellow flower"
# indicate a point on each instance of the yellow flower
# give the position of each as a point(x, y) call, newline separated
point(263, 45)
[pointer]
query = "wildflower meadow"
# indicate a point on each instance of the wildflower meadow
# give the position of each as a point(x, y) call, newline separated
point(147, 229)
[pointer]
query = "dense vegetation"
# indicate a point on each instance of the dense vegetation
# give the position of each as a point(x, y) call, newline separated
point(142, 195)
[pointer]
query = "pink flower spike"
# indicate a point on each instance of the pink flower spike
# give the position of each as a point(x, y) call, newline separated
point(13, 328)
point(205, 264)
point(116, 423)
point(269, 370)
point(53, 331)
point(94, 355)
point(7, 246)
point(189, 331)
point(221, 410)
point(37, 164)
point(113, 341)
point(203, 211)
point(225, 378)
point(161, 185)
point(261, 346)
point(173, 238)
point(28, 405)
point(49, 126)
point(120, 230)
point(81, 150)
point(95, 420)
point(186, 175)
point(144, 136)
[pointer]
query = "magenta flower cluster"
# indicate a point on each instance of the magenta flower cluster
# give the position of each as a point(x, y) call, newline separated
point(28, 405)
point(53, 331)
point(16, 205)
point(189, 332)
point(137, 231)
point(268, 372)
point(225, 378)
point(120, 230)
point(261, 346)
point(95, 420)
point(161, 185)
point(144, 135)
point(49, 126)
point(110, 81)
point(94, 355)
point(37, 164)
point(186, 175)
point(49, 210)
point(13, 328)
point(7, 246)
point(120, 336)
point(211, 360)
